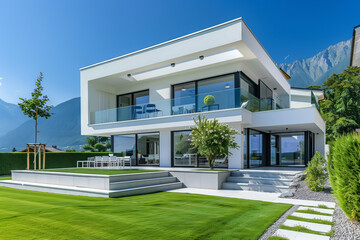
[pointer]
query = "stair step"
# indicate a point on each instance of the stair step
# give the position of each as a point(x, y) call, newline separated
point(264, 181)
point(273, 175)
point(145, 189)
point(255, 187)
point(137, 176)
point(141, 182)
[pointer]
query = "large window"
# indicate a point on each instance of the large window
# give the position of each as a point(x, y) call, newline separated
point(126, 146)
point(148, 149)
point(184, 98)
point(222, 91)
point(255, 148)
point(144, 149)
point(266, 97)
point(132, 105)
point(185, 156)
point(292, 149)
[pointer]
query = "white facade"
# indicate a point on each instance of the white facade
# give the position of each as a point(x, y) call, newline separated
point(301, 97)
point(228, 49)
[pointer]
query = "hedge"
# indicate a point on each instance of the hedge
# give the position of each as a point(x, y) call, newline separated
point(17, 160)
point(344, 172)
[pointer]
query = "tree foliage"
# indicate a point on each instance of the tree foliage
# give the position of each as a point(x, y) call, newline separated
point(36, 106)
point(212, 139)
point(341, 107)
point(97, 144)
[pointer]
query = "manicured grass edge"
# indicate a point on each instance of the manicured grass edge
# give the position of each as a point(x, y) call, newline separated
point(277, 238)
point(323, 206)
point(305, 230)
point(310, 211)
point(310, 220)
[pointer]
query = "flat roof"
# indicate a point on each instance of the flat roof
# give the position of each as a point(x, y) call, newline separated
point(168, 42)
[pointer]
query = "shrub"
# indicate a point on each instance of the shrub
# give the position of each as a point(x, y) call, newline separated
point(209, 100)
point(316, 173)
point(344, 171)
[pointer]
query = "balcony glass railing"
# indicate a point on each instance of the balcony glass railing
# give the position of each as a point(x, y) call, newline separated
point(226, 99)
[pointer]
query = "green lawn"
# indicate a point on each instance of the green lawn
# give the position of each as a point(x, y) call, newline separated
point(5, 178)
point(36, 215)
point(100, 171)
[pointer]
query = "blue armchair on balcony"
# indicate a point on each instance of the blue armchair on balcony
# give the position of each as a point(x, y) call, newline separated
point(138, 112)
point(150, 108)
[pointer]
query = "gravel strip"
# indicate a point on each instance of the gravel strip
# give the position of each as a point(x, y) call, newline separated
point(344, 228)
point(304, 193)
point(275, 226)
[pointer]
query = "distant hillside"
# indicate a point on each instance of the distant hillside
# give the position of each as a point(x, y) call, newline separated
point(317, 69)
point(10, 117)
point(62, 129)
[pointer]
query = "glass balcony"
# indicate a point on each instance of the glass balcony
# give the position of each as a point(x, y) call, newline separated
point(219, 100)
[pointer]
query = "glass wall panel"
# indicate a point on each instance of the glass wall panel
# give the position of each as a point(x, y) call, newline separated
point(266, 97)
point(184, 98)
point(141, 98)
point(183, 154)
point(292, 149)
point(256, 148)
point(124, 111)
point(148, 149)
point(221, 90)
point(245, 149)
point(125, 145)
point(273, 150)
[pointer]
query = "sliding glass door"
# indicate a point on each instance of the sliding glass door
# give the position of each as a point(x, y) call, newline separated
point(144, 149)
point(132, 105)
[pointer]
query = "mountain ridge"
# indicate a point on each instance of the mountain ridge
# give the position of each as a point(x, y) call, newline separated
point(317, 69)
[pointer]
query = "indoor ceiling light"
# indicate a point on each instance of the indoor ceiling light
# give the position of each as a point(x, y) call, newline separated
point(227, 86)
point(183, 89)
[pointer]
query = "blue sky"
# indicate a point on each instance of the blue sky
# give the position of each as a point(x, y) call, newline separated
point(59, 37)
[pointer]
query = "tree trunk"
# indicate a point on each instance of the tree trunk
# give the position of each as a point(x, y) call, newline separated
point(211, 165)
point(36, 124)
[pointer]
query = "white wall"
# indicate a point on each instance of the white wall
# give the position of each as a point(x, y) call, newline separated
point(236, 159)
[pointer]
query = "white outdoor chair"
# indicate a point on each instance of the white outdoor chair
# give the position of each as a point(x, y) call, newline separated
point(244, 104)
point(113, 161)
point(98, 161)
point(126, 159)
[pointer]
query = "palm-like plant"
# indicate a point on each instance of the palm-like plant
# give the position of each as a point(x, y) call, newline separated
point(212, 139)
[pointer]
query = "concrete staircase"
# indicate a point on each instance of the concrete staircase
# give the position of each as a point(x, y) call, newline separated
point(117, 185)
point(134, 184)
point(259, 181)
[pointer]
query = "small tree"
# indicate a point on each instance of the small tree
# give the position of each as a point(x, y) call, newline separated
point(97, 144)
point(212, 139)
point(36, 106)
point(14, 150)
point(316, 173)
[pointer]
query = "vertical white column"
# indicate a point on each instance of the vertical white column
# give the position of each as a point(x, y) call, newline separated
point(236, 159)
point(165, 148)
point(320, 143)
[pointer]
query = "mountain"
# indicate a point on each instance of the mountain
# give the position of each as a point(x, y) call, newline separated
point(317, 69)
point(62, 129)
point(10, 117)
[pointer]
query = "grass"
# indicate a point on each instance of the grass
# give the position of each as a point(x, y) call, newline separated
point(324, 207)
point(5, 178)
point(100, 171)
point(310, 220)
point(277, 238)
point(165, 215)
point(304, 230)
point(310, 211)
point(208, 169)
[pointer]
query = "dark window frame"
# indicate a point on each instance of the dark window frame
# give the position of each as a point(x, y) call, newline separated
point(136, 145)
point(132, 96)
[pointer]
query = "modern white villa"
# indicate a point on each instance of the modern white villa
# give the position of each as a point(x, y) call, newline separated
point(146, 101)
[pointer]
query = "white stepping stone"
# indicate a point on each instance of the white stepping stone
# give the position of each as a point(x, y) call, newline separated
point(312, 216)
point(322, 210)
point(293, 235)
point(324, 228)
